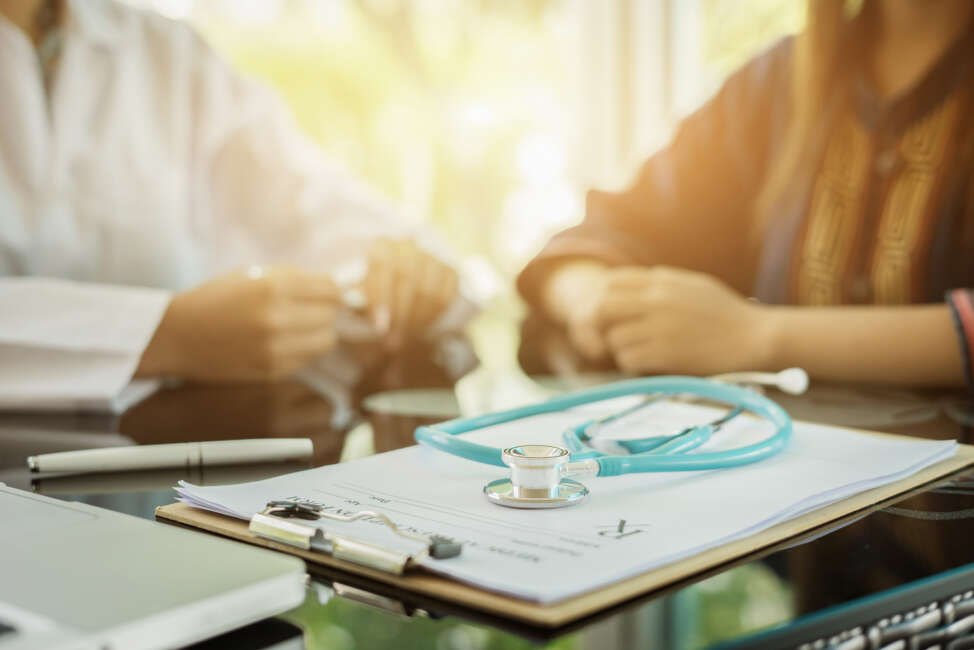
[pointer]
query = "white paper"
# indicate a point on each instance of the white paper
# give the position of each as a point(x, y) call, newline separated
point(65, 315)
point(73, 346)
point(628, 525)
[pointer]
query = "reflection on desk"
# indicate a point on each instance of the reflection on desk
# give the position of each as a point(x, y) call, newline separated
point(925, 534)
point(158, 480)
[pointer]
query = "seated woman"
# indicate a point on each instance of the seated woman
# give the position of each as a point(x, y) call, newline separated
point(131, 154)
point(832, 178)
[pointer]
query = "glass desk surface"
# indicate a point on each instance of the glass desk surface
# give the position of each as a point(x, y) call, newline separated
point(921, 535)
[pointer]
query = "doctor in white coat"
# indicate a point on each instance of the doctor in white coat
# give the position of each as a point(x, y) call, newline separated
point(140, 167)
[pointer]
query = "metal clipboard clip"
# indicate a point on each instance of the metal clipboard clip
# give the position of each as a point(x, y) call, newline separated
point(277, 523)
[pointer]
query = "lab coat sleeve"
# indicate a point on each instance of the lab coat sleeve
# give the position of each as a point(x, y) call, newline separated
point(70, 345)
point(268, 194)
point(690, 204)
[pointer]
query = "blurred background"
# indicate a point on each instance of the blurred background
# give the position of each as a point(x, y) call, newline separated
point(490, 118)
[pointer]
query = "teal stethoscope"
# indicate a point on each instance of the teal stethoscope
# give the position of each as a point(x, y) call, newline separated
point(539, 473)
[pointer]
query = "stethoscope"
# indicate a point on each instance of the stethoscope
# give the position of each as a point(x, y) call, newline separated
point(539, 473)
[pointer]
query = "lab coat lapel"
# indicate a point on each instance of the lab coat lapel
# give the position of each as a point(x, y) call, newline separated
point(83, 88)
point(24, 146)
point(24, 138)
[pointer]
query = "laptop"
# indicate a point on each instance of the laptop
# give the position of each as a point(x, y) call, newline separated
point(76, 576)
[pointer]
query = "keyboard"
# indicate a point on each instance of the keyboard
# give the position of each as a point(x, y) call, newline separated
point(934, 613)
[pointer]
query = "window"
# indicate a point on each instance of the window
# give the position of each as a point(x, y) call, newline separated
point(712, 38)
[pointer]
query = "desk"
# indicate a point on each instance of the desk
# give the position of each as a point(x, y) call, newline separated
point(920, 536)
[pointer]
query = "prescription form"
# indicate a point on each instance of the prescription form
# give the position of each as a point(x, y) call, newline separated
point(628, 525)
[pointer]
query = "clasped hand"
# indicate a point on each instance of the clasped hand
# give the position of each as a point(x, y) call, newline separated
point(266, 323)
point(663, 320)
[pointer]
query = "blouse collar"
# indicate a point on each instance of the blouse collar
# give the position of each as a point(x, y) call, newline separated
point(951, 70)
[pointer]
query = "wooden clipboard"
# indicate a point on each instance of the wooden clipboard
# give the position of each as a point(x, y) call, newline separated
point(571, 609)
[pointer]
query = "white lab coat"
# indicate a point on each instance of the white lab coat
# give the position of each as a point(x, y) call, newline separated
point(153, 165)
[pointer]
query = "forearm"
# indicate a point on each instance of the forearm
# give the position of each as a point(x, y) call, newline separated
point(908, 345)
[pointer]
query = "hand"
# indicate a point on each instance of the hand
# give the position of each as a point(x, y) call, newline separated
point(571, 296)
point(583, 318)
point(666, 320)
point(245, 326)
point(407, 289)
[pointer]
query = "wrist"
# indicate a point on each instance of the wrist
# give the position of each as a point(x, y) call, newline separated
point(772, 329)
point(161, 355)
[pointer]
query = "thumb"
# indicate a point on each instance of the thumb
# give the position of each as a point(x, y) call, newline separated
point(589, 342)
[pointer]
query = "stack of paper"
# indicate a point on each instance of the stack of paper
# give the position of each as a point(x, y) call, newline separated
point(628, 525)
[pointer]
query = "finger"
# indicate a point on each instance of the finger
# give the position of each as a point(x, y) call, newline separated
point(619, 306)
point(304, 316)
point(640, 277)
point(379, 285)
point(304, 345)
point(628, 277)
point(419, 304)
point(403, 291)
point(447, 291)
point(307, 286)
point(441, 285)
point(640, 359)
point(589, 343)
point(628, 334)
point(431, 275)
point(403, 305)
point(369, 287)
point(280, 357)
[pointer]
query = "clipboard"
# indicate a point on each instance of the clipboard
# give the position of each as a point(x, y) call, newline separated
point(566, 611)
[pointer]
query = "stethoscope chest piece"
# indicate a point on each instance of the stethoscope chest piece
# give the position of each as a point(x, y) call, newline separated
point(536, 479)
point(568, 492)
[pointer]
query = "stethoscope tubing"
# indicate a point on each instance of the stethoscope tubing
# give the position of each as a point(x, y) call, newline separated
point(443, 436)
point(575, 438)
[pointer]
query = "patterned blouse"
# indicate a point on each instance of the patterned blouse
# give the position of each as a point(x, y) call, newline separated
point(884, 216)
